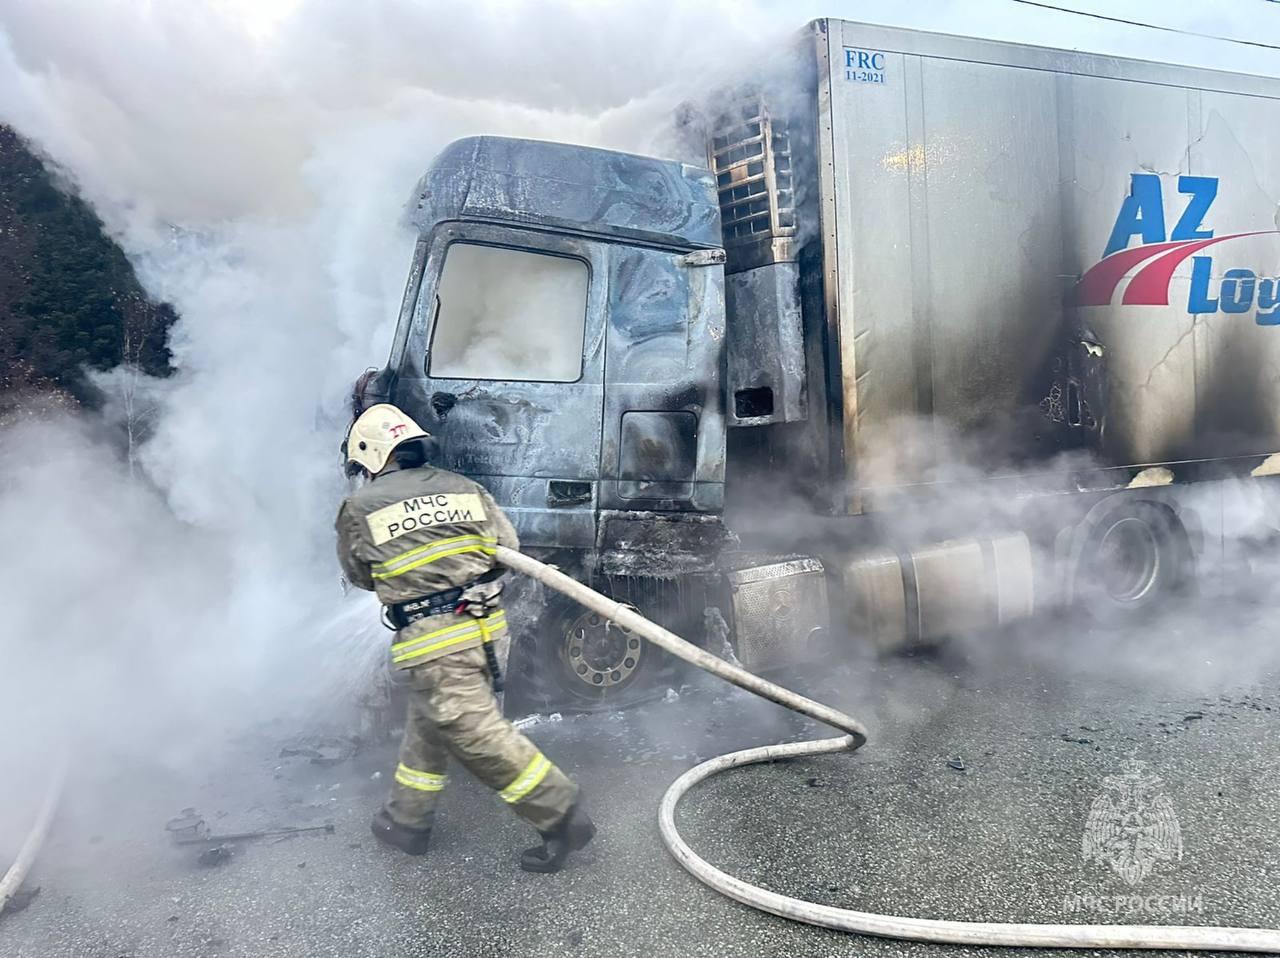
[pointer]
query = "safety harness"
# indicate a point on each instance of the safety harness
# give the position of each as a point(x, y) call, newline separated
point(401, 614)
point(449, 602)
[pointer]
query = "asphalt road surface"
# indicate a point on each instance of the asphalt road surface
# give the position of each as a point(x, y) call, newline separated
point(970, 802)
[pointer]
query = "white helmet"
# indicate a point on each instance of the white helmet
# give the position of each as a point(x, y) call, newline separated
point(378, 431)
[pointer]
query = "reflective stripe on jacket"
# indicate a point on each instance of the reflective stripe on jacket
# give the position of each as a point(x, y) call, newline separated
point(447, 633)
point(414, 532)
point(417, 557)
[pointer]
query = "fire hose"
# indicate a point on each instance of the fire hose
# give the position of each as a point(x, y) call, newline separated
point(936, 931)
point(17, 873)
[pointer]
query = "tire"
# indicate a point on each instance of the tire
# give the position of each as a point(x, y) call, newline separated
point(576, 661)
point(1130, 557)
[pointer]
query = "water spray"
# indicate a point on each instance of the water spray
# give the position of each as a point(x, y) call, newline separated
point(937, 931)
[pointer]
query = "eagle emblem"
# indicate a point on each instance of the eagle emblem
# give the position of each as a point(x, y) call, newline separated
point(1131, 824)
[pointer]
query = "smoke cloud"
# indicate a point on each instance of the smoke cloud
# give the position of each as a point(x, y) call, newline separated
point(171, 581)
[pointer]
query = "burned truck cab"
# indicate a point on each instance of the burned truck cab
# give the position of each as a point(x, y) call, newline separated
point(562, 335)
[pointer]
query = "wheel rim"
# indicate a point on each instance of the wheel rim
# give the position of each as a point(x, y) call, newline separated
point(600, 654)
point(1128, 560)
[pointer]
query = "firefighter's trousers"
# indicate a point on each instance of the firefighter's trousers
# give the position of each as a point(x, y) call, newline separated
point(453, 712)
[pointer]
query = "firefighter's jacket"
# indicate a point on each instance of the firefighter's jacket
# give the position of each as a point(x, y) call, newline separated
point(413, 532)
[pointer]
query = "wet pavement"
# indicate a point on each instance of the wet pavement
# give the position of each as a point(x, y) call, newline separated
point(970, 802)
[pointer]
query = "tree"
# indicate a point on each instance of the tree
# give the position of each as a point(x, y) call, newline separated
point(69, 299)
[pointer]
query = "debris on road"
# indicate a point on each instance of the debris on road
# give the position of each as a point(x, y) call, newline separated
point(217, 855)
point(957, 763)
point(189, 828)
point(530, 720)
point(325, 752)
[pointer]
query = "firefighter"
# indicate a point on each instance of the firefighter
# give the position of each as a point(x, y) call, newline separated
point(424, 539)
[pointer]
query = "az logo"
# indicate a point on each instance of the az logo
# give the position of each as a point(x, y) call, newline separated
point(1160, 253)
point(1142, 213)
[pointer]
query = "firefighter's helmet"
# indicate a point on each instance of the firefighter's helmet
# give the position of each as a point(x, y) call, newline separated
point(375, 433)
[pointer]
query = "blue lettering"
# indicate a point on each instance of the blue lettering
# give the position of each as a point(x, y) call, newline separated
point(1236, 294)
point(1239, 291)
point(1200, 302)
point(1203, 190)
point(866, 61)
point(1141, 214)
point(1268, 302)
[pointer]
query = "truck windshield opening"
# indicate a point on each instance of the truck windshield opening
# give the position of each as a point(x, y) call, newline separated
point(509, 314)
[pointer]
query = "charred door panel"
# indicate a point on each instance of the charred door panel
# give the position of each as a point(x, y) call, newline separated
point(663, 440)
point(480, 393)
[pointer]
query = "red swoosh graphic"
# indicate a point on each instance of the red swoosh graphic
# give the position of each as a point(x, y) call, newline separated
point(1098, 285)
point(1150, 285)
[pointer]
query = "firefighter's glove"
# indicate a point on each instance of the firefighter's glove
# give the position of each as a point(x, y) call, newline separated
point(481, 599)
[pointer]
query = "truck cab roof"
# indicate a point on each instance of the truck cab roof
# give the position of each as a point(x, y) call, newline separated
point(621, 196)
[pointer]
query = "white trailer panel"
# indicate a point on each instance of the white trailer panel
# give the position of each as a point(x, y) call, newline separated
point(970, 185)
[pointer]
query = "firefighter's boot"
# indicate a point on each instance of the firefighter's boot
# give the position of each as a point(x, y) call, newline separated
point(572, 833)
point(411, 841)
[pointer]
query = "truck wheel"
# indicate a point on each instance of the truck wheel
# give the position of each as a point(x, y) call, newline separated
point(580, 662)
point(1129, 557)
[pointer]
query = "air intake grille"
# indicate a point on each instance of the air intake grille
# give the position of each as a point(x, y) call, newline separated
point(751, 157)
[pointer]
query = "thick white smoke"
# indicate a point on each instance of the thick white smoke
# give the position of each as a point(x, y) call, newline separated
point(253, 159)
point(257, 182)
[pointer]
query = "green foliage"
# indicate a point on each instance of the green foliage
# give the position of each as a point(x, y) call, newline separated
point(73, 300)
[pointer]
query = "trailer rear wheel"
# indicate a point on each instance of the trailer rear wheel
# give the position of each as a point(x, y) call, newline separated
point(1130, 556)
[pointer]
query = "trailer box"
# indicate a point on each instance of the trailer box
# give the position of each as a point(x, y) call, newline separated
point(1038, 246)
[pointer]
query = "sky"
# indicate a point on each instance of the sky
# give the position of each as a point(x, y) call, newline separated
point(999, 19)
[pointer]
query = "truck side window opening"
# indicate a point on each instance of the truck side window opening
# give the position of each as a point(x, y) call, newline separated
point(509, 314)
